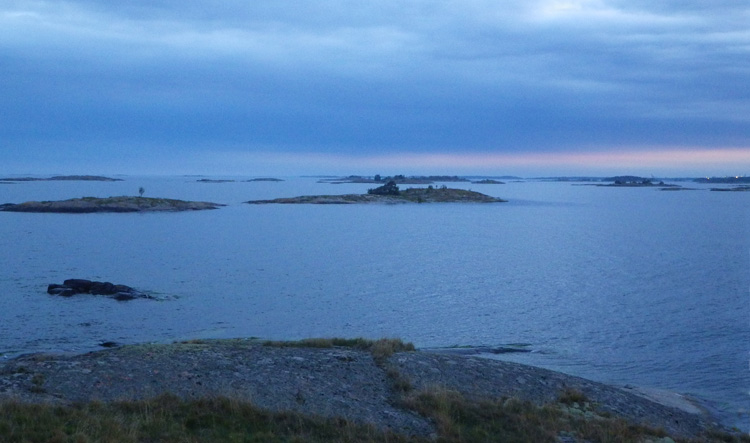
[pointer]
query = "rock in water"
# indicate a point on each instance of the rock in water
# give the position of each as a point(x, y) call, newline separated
point(80, 286)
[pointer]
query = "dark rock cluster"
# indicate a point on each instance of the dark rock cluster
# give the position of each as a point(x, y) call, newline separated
point(80, 286)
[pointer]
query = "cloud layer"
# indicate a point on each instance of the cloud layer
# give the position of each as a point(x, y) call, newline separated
point(91, 81)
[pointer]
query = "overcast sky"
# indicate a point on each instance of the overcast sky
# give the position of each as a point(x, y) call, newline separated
point(272, 87)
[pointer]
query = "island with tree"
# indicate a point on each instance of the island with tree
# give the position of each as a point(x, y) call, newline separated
point(390, 193)
point(110, 204)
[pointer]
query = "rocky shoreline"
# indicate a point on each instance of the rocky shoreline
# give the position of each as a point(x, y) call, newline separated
point(109, 204)
point(332, 381)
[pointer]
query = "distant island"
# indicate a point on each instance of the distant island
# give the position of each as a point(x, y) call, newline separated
point(391, 194)
point(109, 204)
point(733, 189)
point(629, 181)
point(62, 178)
point(209, 180)
point(487, 181)
point(398, 179)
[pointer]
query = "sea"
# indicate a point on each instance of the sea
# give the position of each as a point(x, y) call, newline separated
point(629, 286)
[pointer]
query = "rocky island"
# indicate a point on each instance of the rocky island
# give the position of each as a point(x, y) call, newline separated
point(62, 178)
point(391, 194)
point(109, 204)
point(398, 179)
point(488, 181)
point(261, 179)
point(733, 189)
point(264, 179)
point(629, 181)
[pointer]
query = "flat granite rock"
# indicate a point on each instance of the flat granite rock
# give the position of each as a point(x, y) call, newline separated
point(331, 382)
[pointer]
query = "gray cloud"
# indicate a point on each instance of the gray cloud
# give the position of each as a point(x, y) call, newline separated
point(340, 76)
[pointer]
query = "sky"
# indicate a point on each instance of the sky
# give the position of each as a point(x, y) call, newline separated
point(513, 87)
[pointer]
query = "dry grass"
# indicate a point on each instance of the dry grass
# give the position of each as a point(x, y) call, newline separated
point(168, 418)
point(571, 396)
point(512, 420)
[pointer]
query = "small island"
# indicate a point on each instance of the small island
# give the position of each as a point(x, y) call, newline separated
point(488, 181)
point(391, 194)
point(97, 178)
point(733, 189)
point(264, 179)
point(398, 179)
point(109, 204)
point(629, 181)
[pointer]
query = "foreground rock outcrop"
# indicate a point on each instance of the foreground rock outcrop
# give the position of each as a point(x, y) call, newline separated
point(333, 381)
point(75, 286)
point(109, 204)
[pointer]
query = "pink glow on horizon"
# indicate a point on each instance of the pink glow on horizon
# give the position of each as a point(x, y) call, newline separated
point(668, 159)
point(673, 161)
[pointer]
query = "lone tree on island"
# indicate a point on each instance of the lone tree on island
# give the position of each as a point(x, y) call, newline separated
point(141, 191)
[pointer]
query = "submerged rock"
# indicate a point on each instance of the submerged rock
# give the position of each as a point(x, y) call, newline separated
point(80, 286)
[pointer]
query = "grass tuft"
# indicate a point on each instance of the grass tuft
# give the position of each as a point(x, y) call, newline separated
point(570, 396)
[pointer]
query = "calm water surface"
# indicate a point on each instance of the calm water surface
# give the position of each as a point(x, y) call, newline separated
point(623, 285)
